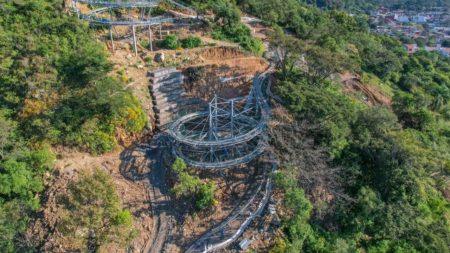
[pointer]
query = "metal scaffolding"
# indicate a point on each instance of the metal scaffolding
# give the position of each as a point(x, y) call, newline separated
point(240, 219)
point(128, 13)
point(228, 134)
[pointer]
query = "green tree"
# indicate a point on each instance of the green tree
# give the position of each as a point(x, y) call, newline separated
point(288, 50)
point(445, 43)
point(227, 13)
point(21, 179)
point(13, 219)
point(170, 42)
point(301, 235)
point(191, 42)
point(192, 187)
point(321, 63)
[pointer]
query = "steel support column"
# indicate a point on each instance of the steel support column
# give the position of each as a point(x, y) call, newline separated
point(134, 40)
point(112, 39)
point(150, 37)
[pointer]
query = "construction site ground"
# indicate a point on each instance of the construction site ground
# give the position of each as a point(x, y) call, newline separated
point(232, 185)
point(129, 165)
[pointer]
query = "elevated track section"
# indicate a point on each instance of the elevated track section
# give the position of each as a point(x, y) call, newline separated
point(128, 13)
point(121, 3)
point(230, 133)
point(241, 218)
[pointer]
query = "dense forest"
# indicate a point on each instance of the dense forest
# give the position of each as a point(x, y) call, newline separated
point(394, 159)
point(367, 5)
point(54, 91)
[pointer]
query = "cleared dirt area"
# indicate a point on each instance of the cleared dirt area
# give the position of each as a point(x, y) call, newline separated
point(232, 186)
point(224, 72)
point(367, 93)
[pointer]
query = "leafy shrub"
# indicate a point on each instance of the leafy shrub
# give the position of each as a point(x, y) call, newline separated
point(186, 185)
point(179, 166)
point(191, 186)
point(158, 10)
point(148, 59)
point(145, 44)
point(239, 33)
point(191, 42)
point(446, 43)
point(99, 142)
point(205, 196)
point(170, 42)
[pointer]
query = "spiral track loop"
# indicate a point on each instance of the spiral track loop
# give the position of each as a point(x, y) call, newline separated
point(229, 134)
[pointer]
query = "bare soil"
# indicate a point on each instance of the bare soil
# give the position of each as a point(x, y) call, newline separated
point(232, 185)
point(370, 94)
point(223, 71)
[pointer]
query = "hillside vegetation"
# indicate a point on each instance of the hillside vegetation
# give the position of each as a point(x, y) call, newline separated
point(227, 23)
point(394, 161)
point(54, 91)
point(384, 169)
point(366, 5)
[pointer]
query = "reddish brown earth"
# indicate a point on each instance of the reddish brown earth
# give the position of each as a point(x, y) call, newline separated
point(372, 96)
point(232, 184)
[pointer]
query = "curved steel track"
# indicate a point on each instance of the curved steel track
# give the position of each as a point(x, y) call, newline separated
point(122, 3)
point(234, 136)
point(230, 134)
point(234, 226)
point(100, 15)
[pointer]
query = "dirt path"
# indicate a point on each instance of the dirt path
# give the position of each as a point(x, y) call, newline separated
point(159, 194)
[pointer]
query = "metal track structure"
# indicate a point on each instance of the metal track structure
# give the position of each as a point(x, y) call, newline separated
point(106, 13)
point(230, 133)
point(235, 225)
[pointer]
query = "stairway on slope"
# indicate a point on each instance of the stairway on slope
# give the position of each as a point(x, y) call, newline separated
point(167, 94)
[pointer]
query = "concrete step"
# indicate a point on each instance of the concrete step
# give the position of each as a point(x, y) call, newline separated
point(161, 72)
point(155, 81)
point(166, 90)
point(169, 103)
point(168, 82)
point(182, 101)
point(167, 87)
point(159, 98)
point(167, 108)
